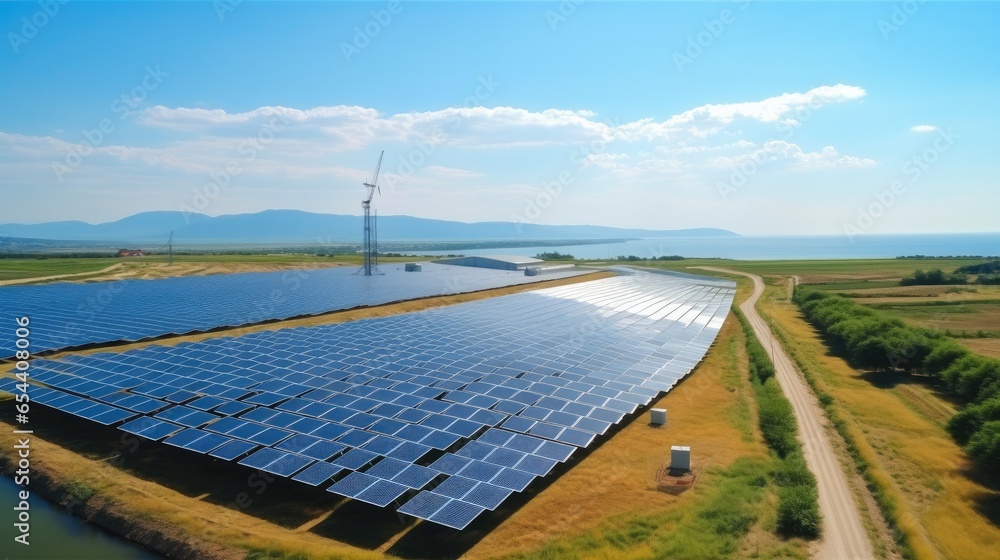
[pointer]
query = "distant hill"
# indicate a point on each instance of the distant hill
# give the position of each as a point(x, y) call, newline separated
point(290, 226)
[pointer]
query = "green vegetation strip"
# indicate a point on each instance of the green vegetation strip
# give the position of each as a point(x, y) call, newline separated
point(798, 495)
point(962, 302)
point(870, 340)
point(988, 273)
point(714, 527)
point(879, 488)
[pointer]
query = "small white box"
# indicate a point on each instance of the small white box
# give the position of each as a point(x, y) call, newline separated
point(657, 416)
point(680, 457)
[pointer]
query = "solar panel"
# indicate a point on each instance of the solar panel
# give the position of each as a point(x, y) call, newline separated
point(150, 428)
point(382, 493)
point(233, 450)
point(387, 468)
point(353, 484)
point(355, 459)
point(410, 452)
point(504, 457)
point(207, 443)
point(183, 438)
point(262, 458)
point(318, 473)
point(457, 514)
point(479, 470)
point(288, 465)
point(475, 450)
point(200, 303)
point(450, 463)
point(487, 495)
point(113, 416)
point(415, 476)
point(495, 392)
point(557, 451)
point(323, 450)
point(535, 464)
point(382, 445)
point(456, 486)
point(440, 440)
point(511, 478)
point(424, 505)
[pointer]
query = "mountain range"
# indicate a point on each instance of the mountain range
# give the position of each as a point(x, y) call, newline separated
point(295, 226)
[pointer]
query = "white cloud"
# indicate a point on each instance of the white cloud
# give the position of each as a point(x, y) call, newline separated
point(454, 149)
point(352, 127)
point(783, 151)
point(923, 128)
point(453, 172)
point(771, 109)
point(345, 127)
point(605, 160)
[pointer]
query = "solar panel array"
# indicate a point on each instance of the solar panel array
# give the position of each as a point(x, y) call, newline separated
point(67, 315)
point(445, 413)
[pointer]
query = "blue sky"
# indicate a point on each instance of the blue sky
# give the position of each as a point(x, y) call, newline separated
point(759, 117)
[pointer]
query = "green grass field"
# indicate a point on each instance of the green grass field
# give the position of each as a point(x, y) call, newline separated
point(886, 271)
point(833, 274)
point(11, 269)
point(732, 511)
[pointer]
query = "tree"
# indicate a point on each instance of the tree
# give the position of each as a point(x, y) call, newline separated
point(984, 446)
point(944, 353)
point(967, 422)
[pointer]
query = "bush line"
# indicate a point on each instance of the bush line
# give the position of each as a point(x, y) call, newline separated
point(798, 494)
point(869, 340)
point(877, 483)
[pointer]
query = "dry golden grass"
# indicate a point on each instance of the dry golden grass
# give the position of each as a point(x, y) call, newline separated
point(968, 317)
point(151, 270)
point(932, 293)
point(985, 346)
point(899, 432)
point(617, 478)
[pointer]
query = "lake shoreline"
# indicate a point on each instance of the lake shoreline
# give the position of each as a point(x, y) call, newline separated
point(116, 518)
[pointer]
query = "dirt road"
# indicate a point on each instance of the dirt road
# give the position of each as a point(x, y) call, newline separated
point(58, 276)
point(844, 537)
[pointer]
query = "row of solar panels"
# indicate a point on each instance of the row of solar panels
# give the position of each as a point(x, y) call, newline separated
point(508, 410)
point(73, 314)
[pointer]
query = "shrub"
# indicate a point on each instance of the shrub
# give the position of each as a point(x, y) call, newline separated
point(967, 422)
point(943, 354)
point(793, 471)
point(777, 419)
point(798, 511)
point(982, 268)
point(984, 446)
point(936, 277)
point(988, 279)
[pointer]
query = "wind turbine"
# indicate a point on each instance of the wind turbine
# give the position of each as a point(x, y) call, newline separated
point(170, 248)
point(370, 240)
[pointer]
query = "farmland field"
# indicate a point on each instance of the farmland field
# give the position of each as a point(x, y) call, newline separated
point(604, 506)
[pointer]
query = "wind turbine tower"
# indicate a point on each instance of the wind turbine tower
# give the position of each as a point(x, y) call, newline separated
point(170, 249)
point(370, 265)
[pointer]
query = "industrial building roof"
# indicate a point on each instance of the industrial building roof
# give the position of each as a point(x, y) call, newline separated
point(512, 259)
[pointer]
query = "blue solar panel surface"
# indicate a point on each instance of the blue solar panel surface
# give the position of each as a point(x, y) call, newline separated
point(66, 315)
point(444, 413)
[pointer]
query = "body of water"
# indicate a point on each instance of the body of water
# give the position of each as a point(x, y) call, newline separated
point(863, 246)
point(58, 535)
